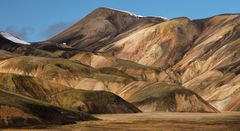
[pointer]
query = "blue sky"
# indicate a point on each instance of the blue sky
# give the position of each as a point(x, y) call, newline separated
point(37, 20)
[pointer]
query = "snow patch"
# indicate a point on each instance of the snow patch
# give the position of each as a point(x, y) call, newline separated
point(165, 18)
point(133, 14)
point(130, 13)
point(13, 38)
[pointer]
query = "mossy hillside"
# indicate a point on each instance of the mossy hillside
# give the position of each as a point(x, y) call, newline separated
point(109, 70)
point(117, 73)
point(169, 102)
point(29, 64)
point(165, 101)
point(96, 101)
point(25, 85)
point(172, 25)
point(133, 65)
point(6, 82)
point(158, 89)
point(31, 51)
point(6, 55)
point(50, 68)
point(47, 113)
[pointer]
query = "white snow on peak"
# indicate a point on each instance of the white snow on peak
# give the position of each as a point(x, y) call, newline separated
point(13, 38)
point(130, 13)
point(165, 18)
point(133, 14)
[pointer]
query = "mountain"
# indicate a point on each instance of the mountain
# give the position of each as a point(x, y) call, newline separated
point(114, 61)
point(61, 82)
point(13, 38)
point(16, 45)
point(201, 55)
point(98, 29)
point(43, 78)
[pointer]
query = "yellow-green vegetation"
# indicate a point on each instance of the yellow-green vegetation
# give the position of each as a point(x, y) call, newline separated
point(31, 51)
point(26, 65)
point(5, 55)
point(110, 70)
point(6, 82)
point(169, 97)
point(46, 113)
point(155, 90)
point(50, 68)
point(117, 73)
point(93, 101)
point(131, 64)
point(170, 26)
point(24, 85)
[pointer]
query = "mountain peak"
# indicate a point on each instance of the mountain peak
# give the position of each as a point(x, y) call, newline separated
point(13, 38)
point(105, 9)
point(117, 10)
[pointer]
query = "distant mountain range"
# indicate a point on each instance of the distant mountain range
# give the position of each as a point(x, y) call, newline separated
point(114, 61)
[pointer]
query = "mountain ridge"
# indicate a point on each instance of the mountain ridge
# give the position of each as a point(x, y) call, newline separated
point(118, 62)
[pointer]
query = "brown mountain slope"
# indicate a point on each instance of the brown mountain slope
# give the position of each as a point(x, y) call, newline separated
point(98, 28)
point(125, 53)
point(211, 66)
point(201, 55)
point(160, 45)
point(53, 79)
point(42, 78)
point(105, 63)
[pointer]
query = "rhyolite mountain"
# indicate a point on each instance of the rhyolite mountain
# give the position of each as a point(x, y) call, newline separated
point(201, 55)
point(113, 61)
point(98, 29)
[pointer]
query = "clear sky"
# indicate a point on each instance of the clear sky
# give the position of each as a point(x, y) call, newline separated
point(37, 20)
